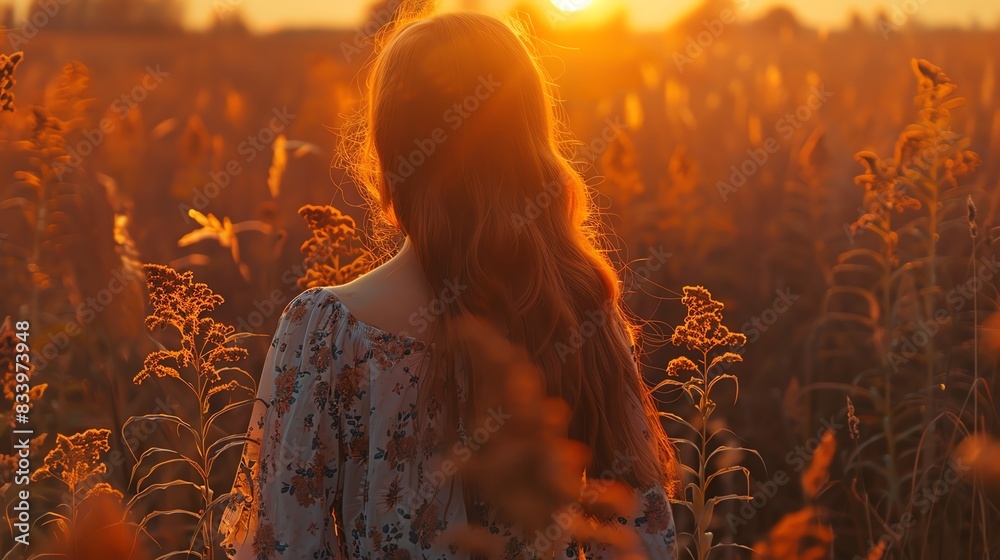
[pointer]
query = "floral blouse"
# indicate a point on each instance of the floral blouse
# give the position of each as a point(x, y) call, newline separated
point(334, 470)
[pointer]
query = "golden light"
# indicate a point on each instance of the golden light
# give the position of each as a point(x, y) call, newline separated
point(571, 5)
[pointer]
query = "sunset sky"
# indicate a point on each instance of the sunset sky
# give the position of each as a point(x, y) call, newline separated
point(269, 14)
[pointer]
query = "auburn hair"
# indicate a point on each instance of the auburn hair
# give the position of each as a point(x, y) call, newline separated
point(459, 147)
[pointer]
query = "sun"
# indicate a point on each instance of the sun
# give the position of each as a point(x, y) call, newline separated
point(571, 5)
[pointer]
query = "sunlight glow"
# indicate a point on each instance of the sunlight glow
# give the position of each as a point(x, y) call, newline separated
point(571, 5)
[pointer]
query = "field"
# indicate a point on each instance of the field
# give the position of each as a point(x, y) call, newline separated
point(825, 187)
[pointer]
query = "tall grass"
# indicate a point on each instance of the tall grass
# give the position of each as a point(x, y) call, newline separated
point(916, 396)
point(907, 323)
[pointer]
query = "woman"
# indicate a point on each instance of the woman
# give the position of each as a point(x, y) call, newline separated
point(459, 151)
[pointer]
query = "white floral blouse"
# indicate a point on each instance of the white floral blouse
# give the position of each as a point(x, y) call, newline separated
point(338, 472)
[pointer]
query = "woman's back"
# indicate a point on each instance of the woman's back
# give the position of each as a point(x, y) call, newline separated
point(342, 471)
point(458, 149)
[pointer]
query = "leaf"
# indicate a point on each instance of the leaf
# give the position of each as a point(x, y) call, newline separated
point(211, 460)
point(159, 513)
point(225, 409)
point(185, 460)
point(162, 486)
point(157, 418)
point(197, 235)
point(728, 470)
point(152, 450)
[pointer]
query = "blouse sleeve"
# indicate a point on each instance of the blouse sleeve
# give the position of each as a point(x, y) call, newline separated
point(288, 485)
point(652, 519)
point(654, 523)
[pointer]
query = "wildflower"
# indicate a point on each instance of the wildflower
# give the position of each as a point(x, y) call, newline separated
point(7, 65)
point(103, 489)
point(883, 183)
point(703, 329)
point(726, 358)
point(934, 84)
point(75, 458)
point(203, 364)
point(853, 422)
point(961, 165)
point(153, 366)
point(178, 301)
point(680, 365)
point(334, 255)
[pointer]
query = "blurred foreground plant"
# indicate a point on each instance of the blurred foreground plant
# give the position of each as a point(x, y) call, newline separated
point(223, 231)
point(530, 470)
point(805, 534)
point(89, 521)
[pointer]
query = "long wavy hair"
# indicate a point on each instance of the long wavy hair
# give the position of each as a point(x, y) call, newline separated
point(458, 146)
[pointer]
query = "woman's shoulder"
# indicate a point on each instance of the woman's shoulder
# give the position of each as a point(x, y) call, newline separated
point(323, 310)
point(311, 303)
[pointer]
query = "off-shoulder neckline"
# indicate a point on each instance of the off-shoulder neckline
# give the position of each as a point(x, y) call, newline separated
point(382, 332)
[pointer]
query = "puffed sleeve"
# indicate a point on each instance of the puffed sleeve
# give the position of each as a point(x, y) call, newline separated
point(288, 488)
point(652, 518)
point(652, 522)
